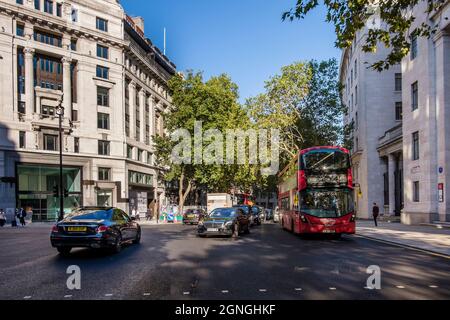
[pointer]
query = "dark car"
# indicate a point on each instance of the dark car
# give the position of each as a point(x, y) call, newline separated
point(226, 222)
point(252, 212)
point(97, 228)
point(193, 216)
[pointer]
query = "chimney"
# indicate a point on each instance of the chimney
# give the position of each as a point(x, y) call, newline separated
point(139, 21)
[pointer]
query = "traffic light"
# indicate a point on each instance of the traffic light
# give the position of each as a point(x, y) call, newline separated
point(56, 191)
point(66, 193)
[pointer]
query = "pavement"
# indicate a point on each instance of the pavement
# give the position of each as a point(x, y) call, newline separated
point(426, 238)
point(172, 263)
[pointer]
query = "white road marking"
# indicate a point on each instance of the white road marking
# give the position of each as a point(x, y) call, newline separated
point(400, 287)
point(433, 287)
point(298, 289)
point(108, 295)
point(146, 294)
point(332, 288)
point(186, 293)
point(262, 290)
point(27, 297)
point(225, 291)
point(68, 296)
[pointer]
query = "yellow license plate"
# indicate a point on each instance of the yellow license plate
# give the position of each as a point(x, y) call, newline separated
point(77, 229)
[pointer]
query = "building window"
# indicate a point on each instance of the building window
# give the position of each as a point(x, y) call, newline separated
point(103, 121)
point(102, 97)
point(37, 4)
point(48, 38)
point(129, 152)
point(48, 6)
point(19, 1)
point(104, 174)
point(73, 45)
point(50, 142)
point(415, 146)
point(399, 111)
point(140, 155)
point(398, 82)
point(74, 15)
point(21, 107)
point(74, 115)
point(59, 9)
point(102, 24)
point(415, 96)
point(76, 145)
point(356, 95)
point(48, 110)
point(414, 45)
point(20, 30)
point(102, 72)
point(22, 142)
point(102, 52)
point(356, 68)
point(416, 191)
point(149, 158)
point(103, 148)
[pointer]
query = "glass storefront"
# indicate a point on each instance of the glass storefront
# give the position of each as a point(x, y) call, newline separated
point(35, 190)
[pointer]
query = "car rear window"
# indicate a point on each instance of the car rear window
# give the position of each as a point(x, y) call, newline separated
point(91, 215)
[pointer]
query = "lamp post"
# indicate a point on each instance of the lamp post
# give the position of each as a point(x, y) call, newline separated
point(60, 113)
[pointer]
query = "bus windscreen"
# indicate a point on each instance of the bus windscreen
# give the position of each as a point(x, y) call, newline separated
point(325, 160)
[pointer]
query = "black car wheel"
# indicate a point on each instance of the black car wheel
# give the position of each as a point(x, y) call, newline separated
point(118, 245)
point(64, 251)
point(137, 240)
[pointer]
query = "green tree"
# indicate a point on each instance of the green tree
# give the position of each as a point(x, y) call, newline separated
point(349, 16)
point(215, 104)
point(303, 102)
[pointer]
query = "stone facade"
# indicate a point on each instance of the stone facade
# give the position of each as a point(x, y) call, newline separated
point(87, 56)
point(370, 98)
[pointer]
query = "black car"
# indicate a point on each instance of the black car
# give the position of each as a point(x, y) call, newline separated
point(95, 227)
point(252, 212)
point(193, 216)
point(225, 221)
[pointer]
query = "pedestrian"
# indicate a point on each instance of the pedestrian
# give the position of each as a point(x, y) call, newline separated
point(375, 213)
point(22, 216)
point(149, 214)
point(2, 218)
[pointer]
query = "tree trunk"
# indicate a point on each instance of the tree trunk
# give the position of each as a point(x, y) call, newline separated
point(183, 195)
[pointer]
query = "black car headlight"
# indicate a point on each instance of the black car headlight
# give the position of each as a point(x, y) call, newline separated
point(228, 224)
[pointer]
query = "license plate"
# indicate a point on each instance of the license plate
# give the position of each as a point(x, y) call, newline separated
point(329, 231)
point(213, 230)
point(77, 229)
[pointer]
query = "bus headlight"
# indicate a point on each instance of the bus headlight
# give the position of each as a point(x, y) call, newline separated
point(303, 218)
point(353, 218)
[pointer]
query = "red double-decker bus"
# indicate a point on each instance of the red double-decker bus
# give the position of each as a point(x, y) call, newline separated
point(316, 193)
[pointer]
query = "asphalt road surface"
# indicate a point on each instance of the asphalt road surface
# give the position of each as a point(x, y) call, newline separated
point(172, 263)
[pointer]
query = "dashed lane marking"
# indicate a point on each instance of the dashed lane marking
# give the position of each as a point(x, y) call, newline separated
point(262, 290)
point(400, 287)
point(225, 291)
point(298, 289)
point(186, 293)
point(68, 296)
point(108, 295)
point(333, 288)
point(433, 287)
point(27, 297)
point(146, 294)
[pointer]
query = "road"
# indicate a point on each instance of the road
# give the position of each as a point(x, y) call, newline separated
point(172, 263)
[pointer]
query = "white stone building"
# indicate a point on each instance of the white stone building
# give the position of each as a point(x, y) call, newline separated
point(113, 86)
point(426, 120)
point(373, 100)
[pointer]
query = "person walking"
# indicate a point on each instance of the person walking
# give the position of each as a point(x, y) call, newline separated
point(375, 213)
point(14, 219)
point(149, 214)
point(22, 216)
point(2, 218)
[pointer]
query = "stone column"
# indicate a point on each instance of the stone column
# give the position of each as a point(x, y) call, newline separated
point(132, 108)
point(67, 87)
point(29, 82)
point(152, 117)
point(391, 174)
point(142, 113)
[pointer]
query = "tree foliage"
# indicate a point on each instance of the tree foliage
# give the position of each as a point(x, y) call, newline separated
point(303, 102)
point(349, 16)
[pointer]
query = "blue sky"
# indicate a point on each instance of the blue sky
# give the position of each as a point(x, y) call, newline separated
point(244, 38)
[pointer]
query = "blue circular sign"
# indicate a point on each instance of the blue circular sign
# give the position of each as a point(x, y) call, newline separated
point(441, 170)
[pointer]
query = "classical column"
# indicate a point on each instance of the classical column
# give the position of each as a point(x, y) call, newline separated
point(29, 82)
point(391, 174)
point(67, 87)
point(142, 113)
point(151, 115)
point(132, 108)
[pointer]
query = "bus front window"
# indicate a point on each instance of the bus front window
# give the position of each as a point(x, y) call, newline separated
point(327, 203)
point(325, 160)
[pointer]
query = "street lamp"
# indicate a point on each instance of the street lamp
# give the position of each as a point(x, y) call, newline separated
point(60, 113)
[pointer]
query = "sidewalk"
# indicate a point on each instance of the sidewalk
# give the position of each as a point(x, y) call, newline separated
point(420, 237)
